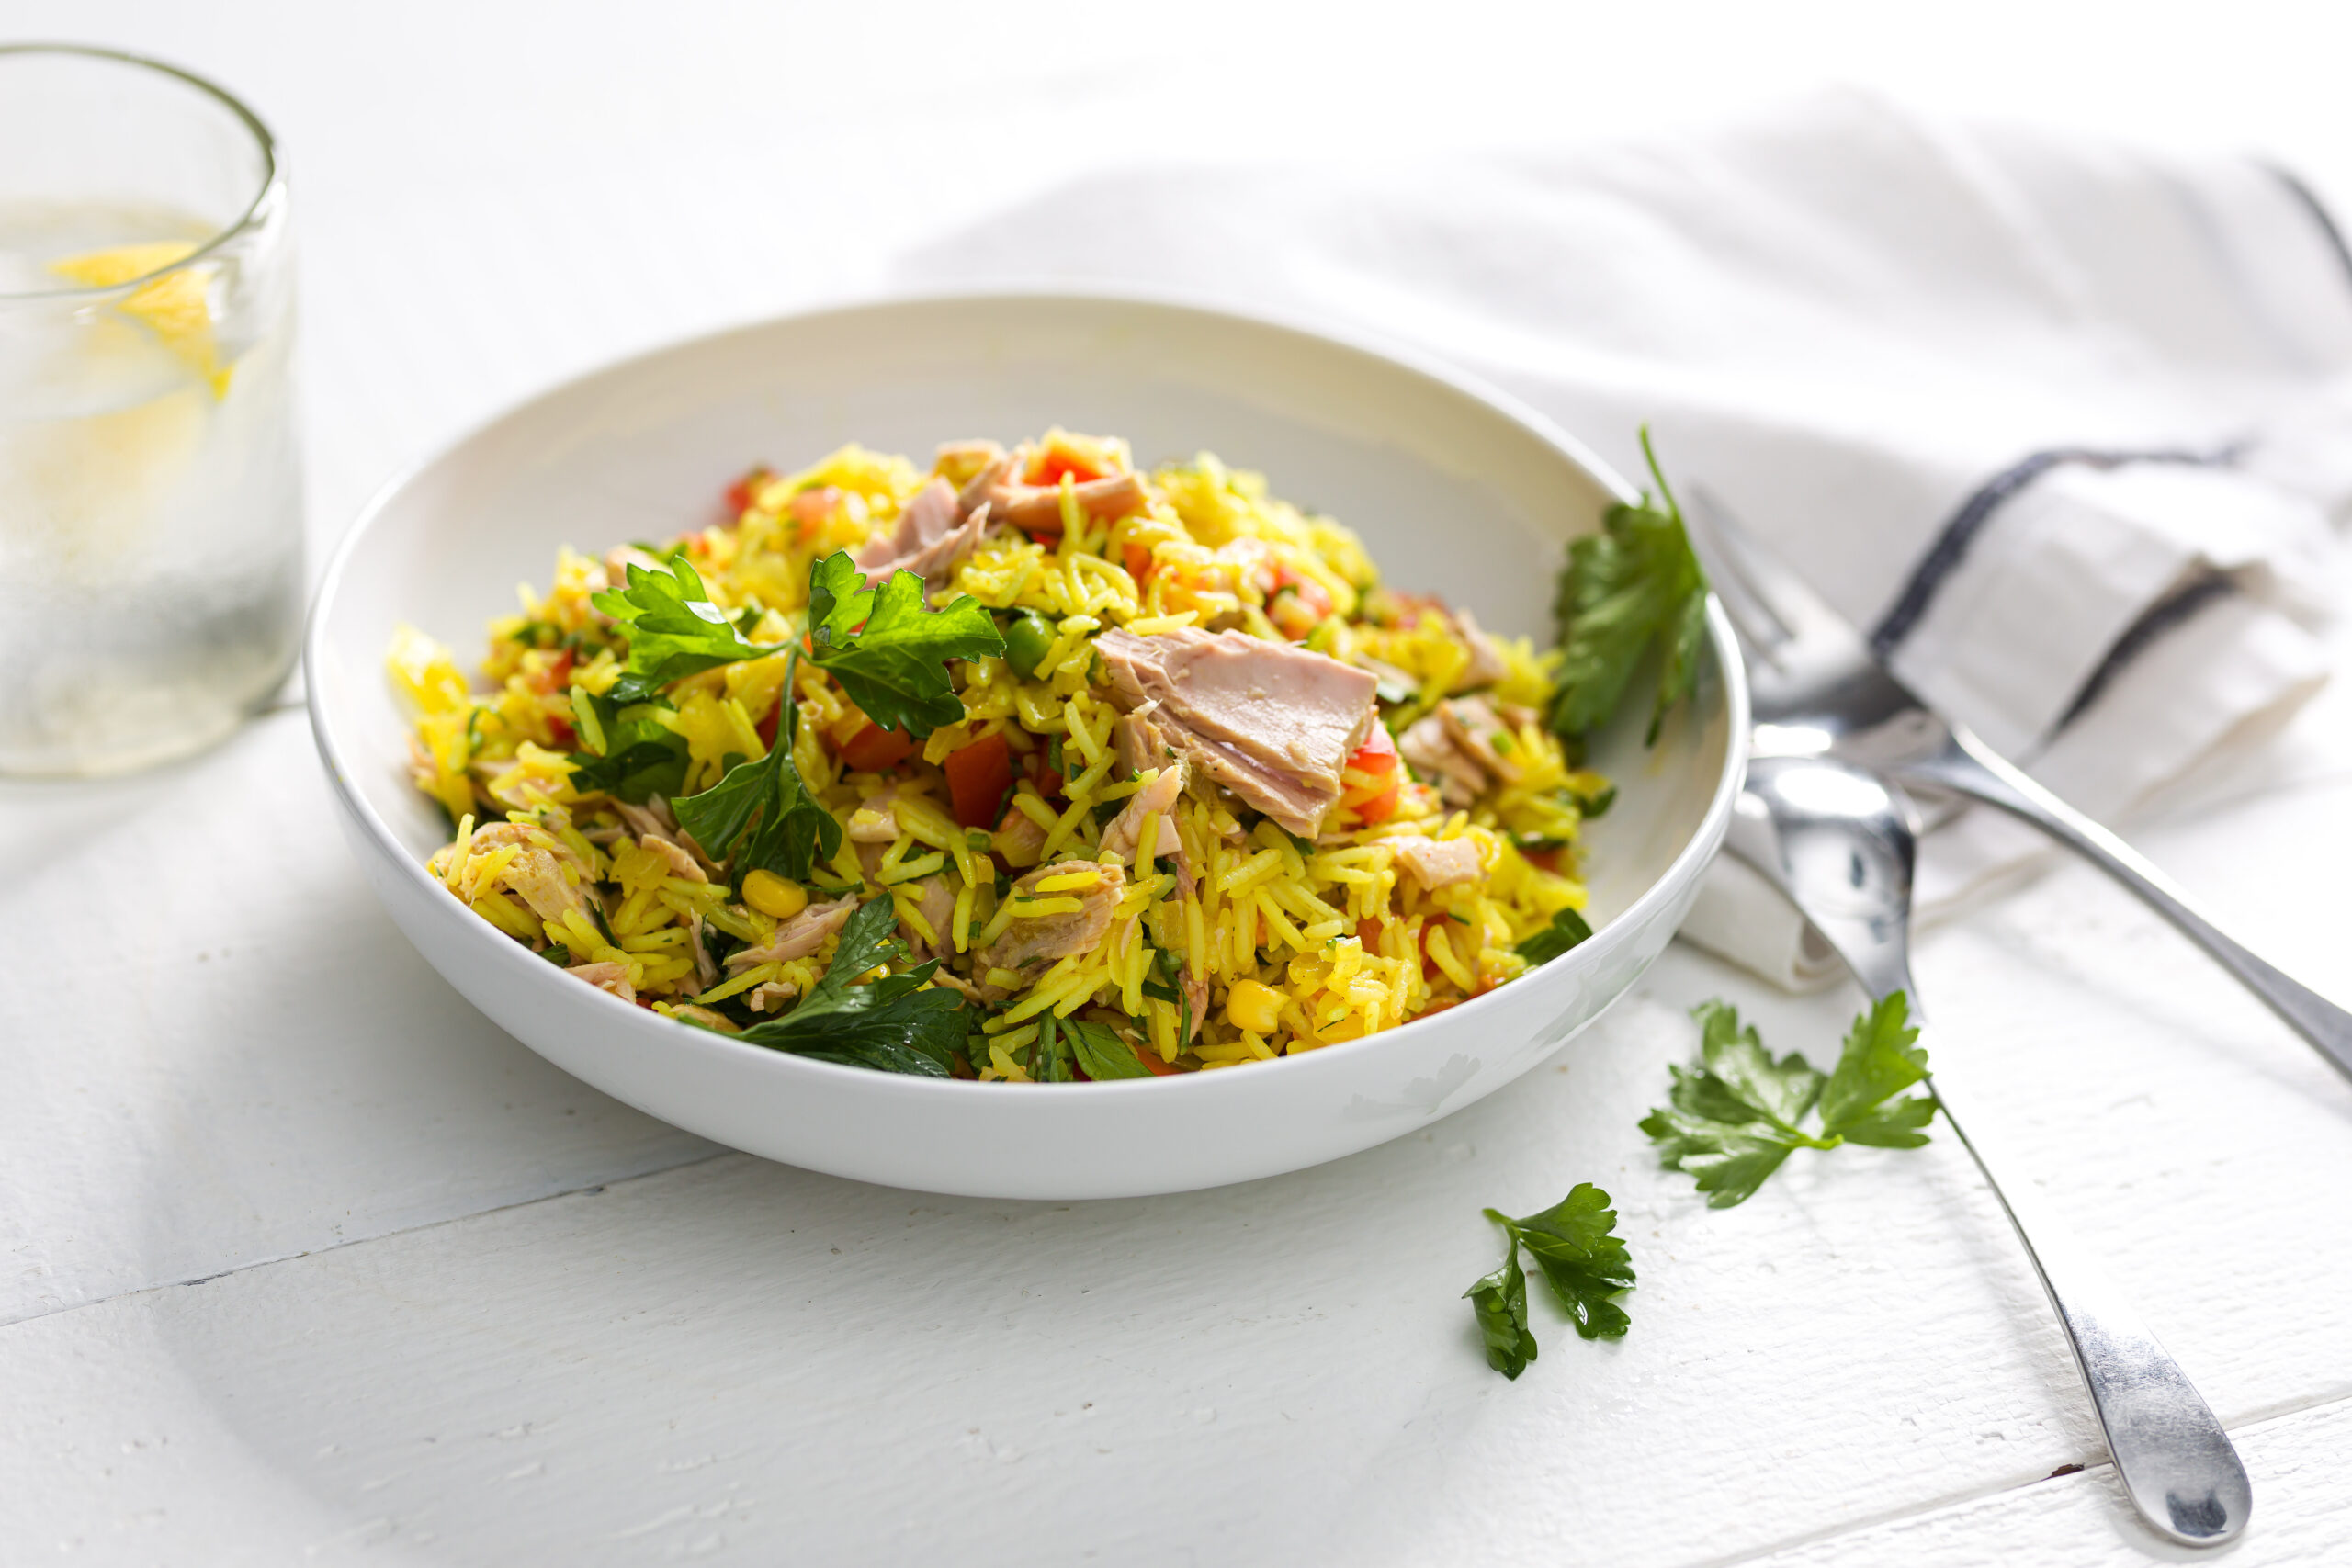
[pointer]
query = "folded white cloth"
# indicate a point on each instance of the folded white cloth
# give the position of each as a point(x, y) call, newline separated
point(2065, 425)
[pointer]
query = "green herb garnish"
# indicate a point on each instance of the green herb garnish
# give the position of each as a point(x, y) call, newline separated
point(1567, 929)
point(1574, 1244)
point(888, 652)
point(1099, 1051)
point(674, 630)
point(766, 806)
point(1734, 1119)
point(1631, 587)
point(891, 1025)
point(626, 751)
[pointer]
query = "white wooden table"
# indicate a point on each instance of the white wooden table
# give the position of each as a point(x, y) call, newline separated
point(300, 1259)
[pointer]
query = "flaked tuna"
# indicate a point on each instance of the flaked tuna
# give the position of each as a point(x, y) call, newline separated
point(1437, 862)
point(1428, 746)
point(1480, 734)
point(1274, 723)
point(799, 936)
point(934, 533)
point(1037, 509)
point(1065, 920)
point(1155, 803)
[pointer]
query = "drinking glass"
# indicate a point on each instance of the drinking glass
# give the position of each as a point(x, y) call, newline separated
point(150, 572)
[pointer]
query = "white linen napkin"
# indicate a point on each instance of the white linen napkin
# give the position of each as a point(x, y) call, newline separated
point(2065, 425)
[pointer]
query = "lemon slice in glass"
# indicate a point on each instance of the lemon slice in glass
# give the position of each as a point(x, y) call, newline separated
point(173, 306)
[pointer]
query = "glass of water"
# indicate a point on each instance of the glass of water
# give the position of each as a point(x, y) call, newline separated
point(151, 523)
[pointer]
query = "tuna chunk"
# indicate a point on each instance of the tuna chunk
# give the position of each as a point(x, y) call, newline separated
point(1030, 939)
point(1436, 864)
point(933, 537)
point(1472, 724)
point(931, 897)
point(876, 821)
point(1037, 509)
point(1141, 745)
point(1487, 665)
point(1155, 801)
point(1429, 748)
point(613, 977)
point(1274, 723)
point(799, 936)
point(705, 968)
point(1019, 840)
point(682, 864)
point(960, 462)
point(655, 821)
point(536, 873)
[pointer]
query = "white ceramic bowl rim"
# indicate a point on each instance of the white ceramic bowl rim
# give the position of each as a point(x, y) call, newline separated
point(1709, 833)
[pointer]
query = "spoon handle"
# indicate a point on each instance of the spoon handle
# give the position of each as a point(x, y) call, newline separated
point(2176, 1462)
point(1967, 766)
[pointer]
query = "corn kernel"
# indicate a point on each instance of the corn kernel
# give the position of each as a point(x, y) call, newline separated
point(771, 895)
point(1253, 1005)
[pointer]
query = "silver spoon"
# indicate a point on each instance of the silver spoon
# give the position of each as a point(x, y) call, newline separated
point(1837, 839)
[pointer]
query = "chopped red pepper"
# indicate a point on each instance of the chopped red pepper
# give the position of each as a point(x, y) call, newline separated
point(566, 738)
point(738, 494)
point(873, 748)
point(1138, 557)
point(1057, 461)
point(978, 778)
point(767, 727)
point(556, 675)
point(1042, 775)
point(1377, 757)
point(1154, 1066)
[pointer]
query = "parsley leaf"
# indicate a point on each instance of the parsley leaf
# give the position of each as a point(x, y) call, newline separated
point(1586, 1265)
point(1880, 1060)
point(887, 651)
point(1567, 929)
point(626, 751)
point(1499, 1301)
point(1631, 588)
point(794, 830)
point(1100, 1051)
point(1735, 1118)
point(891, 1025)
point(643, 769)
point(674, 630)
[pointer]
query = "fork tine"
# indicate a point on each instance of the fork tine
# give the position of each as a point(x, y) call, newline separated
point(1776, 590)
point(1751, 614)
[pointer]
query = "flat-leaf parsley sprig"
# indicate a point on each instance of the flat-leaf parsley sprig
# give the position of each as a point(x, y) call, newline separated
point(1733, 1120)
point(673, 630)
point(891, 1024)
point(1575, 1248)
point(890, 653)
point(766, 808)
point(1631, 588)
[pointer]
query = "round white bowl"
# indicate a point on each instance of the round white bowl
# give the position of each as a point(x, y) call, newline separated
point(1454, 488)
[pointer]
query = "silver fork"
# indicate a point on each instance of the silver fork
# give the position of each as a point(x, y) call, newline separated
point(1818, 690)
point(1836, 840)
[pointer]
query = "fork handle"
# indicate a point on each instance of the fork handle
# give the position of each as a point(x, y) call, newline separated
point(2173, 1455)
point(1967, 766)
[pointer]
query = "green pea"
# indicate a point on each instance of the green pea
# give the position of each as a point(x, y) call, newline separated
point(1027, 643)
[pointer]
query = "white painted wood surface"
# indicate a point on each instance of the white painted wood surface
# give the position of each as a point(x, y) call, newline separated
point(301, 1260)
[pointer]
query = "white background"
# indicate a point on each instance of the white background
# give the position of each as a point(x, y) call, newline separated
point(300, 1259)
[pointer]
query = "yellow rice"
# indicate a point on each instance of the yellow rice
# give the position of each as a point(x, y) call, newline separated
point(1347, 945)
